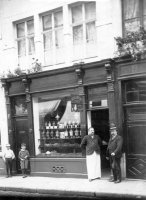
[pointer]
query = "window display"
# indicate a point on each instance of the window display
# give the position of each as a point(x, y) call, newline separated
point(59, 128)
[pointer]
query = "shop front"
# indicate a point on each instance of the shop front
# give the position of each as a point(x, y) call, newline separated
point(51, 111)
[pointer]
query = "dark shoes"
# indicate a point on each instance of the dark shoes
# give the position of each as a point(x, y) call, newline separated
point(24, 176)
point(118, 181)
point(111, 180)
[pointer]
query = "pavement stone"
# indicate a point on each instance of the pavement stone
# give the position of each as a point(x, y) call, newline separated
point(74, 187)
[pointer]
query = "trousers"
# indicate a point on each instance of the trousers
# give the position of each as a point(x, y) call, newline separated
point(9, 166)
point(115, 167)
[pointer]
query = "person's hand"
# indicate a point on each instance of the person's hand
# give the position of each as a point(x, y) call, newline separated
point(107, 158)
point(113, 154)
point(104, 142)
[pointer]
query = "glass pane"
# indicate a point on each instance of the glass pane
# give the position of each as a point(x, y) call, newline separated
point(136, 90)
point(21, 47)
point(20, 105)
point(58, 18)
point(20, 30)
point(59, 38)
point(47, 22)
point(48, 40)
point(31, 47)
point(77, 14)
point(144, 7)
point(137, 140)
point(59, 127)
point(77, 34)
point(131, 9)
point(30, 27)
point(90, 32)
point(90, 11)
point(132, 25)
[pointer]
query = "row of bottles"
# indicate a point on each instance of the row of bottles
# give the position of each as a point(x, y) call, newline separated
point(59, 130)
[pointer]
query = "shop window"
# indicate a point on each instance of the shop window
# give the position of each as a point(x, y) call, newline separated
point(19, 105)
point(135, 91)
point(59, 128)
point(25, 41)
point(53, 37)
point(134, 13)
point(84, 29)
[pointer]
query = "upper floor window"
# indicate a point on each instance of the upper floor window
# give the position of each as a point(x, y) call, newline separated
point(83, 28)
point(25, 39)
point(134, 13)
point(53, 37)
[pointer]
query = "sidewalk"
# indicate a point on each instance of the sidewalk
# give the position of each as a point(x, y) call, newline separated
point(73, 187)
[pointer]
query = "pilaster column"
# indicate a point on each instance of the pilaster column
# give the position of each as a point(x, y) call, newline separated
point(26, 83)
point(81, 92)
point(6, 86)
point(111, 93)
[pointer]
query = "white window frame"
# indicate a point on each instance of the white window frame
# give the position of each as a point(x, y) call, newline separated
point(52, 30)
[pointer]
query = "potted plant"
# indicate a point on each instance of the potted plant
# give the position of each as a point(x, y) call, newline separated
point(132, 45)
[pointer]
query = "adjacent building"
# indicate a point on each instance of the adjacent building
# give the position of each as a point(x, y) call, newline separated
point(63, 77)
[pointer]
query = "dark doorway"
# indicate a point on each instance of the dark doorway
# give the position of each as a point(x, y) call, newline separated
point(21, 136)
point(100, 122)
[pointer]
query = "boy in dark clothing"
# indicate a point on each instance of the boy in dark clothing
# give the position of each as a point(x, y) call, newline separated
point(23, 156)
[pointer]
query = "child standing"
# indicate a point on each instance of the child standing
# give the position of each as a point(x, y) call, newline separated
point(23, 156)
point(8, 157)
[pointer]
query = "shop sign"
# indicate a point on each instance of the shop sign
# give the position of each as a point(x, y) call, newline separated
point(76, 103)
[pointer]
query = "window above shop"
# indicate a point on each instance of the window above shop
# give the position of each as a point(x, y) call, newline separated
point(134, 14)
point(25, 41)
point(53, 39)
point(83, 19)
point(135, 91)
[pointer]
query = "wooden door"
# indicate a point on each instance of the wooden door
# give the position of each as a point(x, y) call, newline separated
point(21, 136)
point(135, 142)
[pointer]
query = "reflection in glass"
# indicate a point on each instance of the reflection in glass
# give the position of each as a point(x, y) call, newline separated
point(20, 106)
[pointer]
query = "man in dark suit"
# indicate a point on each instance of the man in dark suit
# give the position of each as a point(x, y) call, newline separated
point(114, 154)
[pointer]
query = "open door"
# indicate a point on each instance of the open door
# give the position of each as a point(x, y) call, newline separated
point(21, 136)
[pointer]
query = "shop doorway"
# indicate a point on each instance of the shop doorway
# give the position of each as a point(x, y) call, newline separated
point(21, 136)
point(100, 122)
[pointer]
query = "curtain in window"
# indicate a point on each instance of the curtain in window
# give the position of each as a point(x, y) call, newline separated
point(48, 40)
point(90, 11)
point(21, 48)
point(77, 34)
point(47, 22)
point(59, 38)
point(131, 15)
point(131, 9)
point(58, 19)
point(48, 107)
point(20, 30)
point(90, 32)
point(77, 14)
point(31, 47)
point(30, 27)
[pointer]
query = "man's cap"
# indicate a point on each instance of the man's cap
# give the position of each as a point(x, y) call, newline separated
point(8, 145)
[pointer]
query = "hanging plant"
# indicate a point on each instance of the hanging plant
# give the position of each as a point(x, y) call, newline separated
point(133, 44)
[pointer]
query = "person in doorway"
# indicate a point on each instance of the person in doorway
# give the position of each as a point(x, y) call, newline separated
point(24, 156)
point(92, 143)
point(114, 154)
point(8, 157)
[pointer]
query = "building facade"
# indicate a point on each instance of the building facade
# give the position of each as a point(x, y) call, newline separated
point(63, 78)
